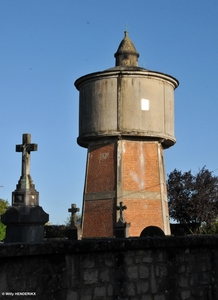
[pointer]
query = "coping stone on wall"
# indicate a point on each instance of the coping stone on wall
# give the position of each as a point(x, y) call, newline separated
point(99, 245)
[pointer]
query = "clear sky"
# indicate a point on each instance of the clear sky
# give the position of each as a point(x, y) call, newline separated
point(47, 44)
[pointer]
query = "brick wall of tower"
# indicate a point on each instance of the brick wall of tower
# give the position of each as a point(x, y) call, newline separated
point(140, 166)
point(99, 210)
point(142, 213)
point(141, 185)
point(98, 218)
point(101, 170)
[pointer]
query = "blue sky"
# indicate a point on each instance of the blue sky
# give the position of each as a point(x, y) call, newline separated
point(47, 44)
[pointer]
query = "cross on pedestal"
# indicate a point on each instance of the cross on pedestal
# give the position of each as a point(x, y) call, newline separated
point(25, 219)
point(121, 227)
point(26, 148)
point(25, 193)
point(121, 208)
point(73, 210)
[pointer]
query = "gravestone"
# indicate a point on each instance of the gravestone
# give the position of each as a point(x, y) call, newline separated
point(72, 233)
point(25, 219)
point(121, 227)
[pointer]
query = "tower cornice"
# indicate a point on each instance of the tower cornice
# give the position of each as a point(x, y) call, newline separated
point(123, 71)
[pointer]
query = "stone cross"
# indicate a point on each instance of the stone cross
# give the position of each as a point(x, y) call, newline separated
point(121, 207)
point(26, 148)
point(73, 210)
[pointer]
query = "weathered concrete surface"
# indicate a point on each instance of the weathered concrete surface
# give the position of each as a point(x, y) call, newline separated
point(182, 268)
point(111, 104)
point(126, 100)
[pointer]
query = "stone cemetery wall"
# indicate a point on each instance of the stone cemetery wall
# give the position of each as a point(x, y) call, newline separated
point(169, 268)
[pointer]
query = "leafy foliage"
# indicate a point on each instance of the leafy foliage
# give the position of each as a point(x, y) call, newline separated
point(3, 206)
point(209, 229)
point(192, 198)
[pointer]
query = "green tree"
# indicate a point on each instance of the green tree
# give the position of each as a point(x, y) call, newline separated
point(193, 199)
point(3, 206)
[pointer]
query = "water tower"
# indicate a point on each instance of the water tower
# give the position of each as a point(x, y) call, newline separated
point(126, 120)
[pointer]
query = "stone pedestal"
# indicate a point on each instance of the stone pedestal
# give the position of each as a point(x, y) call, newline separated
point(25, 193)
point(122, 229)
point(73, 233)
point(25, 224)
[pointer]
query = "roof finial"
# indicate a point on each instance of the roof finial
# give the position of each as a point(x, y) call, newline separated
point(126, 33)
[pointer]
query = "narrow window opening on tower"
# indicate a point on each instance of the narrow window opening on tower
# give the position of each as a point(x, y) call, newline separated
point(144, 104)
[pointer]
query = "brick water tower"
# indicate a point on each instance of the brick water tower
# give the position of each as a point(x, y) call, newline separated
point(126, 120)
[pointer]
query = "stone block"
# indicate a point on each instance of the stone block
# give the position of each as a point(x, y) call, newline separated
point(194, 279)
point(153, 283)
point(148, 257)
point(129, 260)
point(140, 253)
point(110, 290)
point(142, 287)
point(182, 269)
point(143, 271)
point(159, 297)
point(99, 292)
point(157, 271)
point(3, 281)
point(88, 262)
point(130, 289)
point(162, 271)
point(183, 281)
point(190, 268)
point(87, 297)
point(86, 292)
point(204, 278)
point(185, 294)
point(161, 256)
point(108, 262)
point(138, 260)
point(72, 295)
point(146, 297)
point(90, 276)
point(105, 276)
point(132, 272)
